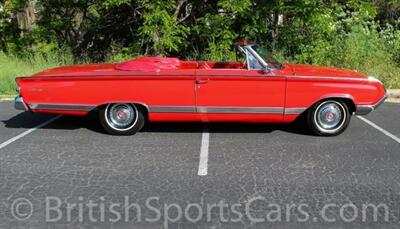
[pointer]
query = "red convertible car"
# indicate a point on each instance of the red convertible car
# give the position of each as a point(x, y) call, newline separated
point(155, 89)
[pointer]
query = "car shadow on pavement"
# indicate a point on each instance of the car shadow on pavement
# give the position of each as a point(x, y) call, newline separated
point(28, 120)
point(294, 128)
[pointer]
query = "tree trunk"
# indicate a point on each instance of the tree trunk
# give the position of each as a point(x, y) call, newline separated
point(3, 44)
point(26, 17)
point(275, 28)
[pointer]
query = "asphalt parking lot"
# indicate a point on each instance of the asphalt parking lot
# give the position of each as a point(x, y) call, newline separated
point(274, 176)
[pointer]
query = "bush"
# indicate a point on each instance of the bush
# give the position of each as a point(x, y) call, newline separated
point(365, 50)
point(360, 45)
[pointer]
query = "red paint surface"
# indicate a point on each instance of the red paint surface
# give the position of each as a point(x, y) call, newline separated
point(172, 82)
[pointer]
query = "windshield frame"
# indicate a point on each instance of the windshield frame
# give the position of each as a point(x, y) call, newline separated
point(267, 66)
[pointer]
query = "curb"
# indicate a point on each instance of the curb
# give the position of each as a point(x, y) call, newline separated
point(7, 97)
point(394, 95)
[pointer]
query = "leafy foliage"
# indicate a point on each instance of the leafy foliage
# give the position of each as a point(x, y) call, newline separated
point(161, 28)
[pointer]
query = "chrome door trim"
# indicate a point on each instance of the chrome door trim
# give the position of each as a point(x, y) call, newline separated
point(172, 109)
point(241, 110)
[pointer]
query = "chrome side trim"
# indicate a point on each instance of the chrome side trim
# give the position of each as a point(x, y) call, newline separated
point(67, 107)
point(19, 104)
point(295, 111)
point(328, 78)
point(171, 109)
point(122, 76)
point(366, 109)
point(227, 110)
point(176, 109)
point(241, 110)
point(329, 96)
point(220, 110)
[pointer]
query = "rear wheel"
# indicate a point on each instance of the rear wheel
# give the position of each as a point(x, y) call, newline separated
point(329, 118)
point(122, 118)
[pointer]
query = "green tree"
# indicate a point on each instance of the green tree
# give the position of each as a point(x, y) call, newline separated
point(162, 30)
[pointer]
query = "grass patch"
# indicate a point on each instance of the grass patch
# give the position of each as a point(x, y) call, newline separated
point(12, 67)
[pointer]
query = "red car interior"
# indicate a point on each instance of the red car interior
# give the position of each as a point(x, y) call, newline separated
point(160, 63)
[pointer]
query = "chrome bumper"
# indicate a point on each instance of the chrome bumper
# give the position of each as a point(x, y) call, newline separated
point(366, 109)
point(20, 104)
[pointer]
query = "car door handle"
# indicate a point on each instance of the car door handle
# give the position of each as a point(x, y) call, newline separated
point(201, 81)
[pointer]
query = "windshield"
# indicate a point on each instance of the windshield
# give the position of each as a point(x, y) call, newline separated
point(267, 56)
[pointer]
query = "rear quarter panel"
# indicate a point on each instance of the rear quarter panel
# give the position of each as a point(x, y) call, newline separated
point(96, 91)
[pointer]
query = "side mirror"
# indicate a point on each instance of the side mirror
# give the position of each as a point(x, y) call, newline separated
point(266, 70)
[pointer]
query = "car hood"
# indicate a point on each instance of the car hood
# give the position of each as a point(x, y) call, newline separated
point(311, 70)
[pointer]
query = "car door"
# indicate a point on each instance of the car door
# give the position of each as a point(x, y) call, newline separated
point(170, 95)
point(240, 95)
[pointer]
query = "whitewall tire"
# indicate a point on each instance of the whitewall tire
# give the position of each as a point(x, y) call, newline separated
point(122, 118)
point(329, 117)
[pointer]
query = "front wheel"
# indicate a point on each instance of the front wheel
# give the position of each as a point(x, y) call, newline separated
point(121, 119)
point(329, 118)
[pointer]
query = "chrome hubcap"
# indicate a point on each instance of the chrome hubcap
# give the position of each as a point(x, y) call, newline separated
point(329, 116)
point(121, 116)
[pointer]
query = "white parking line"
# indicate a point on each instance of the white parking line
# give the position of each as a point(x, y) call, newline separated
point(6, 143)
point(205, 143)
point(387, 133)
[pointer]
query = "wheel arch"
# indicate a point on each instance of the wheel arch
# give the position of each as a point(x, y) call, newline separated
point(347, 99)
point(310, 116)
point(140, 105)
